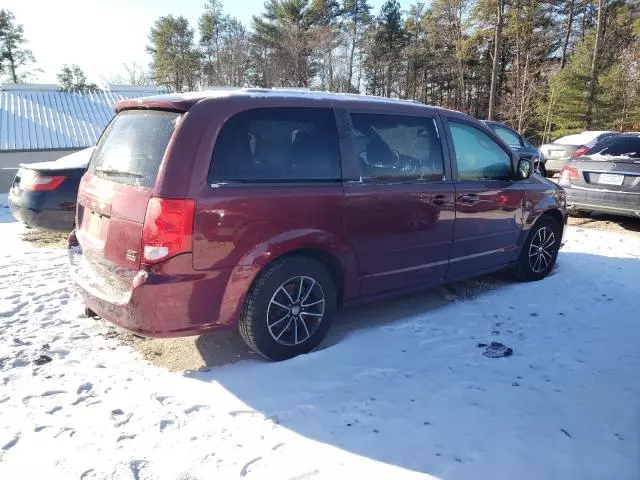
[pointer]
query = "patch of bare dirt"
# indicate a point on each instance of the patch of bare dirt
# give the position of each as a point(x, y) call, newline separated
point(611, 223)
point(187, 353)
point(44, 238)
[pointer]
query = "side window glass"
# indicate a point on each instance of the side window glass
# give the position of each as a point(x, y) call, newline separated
point(277, 145)
point(508, 136)
point(397, 148)
point(478, 156)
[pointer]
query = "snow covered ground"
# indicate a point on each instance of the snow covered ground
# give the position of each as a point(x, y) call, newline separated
point(401, 391)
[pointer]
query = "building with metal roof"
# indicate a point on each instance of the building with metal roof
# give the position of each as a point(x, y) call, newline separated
point(40, 123)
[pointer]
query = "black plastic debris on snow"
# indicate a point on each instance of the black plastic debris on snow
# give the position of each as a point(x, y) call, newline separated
point(42, 359)
point(496, 350)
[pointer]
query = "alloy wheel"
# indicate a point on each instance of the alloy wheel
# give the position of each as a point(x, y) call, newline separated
point(541, 250)
point(295, 310)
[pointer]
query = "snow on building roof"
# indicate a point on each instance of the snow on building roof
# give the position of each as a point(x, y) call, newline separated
point(41, 117)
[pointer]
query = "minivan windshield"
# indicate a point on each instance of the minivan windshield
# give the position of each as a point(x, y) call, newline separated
point(131, 148)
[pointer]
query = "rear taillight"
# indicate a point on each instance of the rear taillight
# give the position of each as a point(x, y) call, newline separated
point(580, 151)
point(570, 173)
point(168, 228)
point(39, 183)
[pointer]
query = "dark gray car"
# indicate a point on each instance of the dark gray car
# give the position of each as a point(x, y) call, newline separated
point(606, 179)
point(519, 144)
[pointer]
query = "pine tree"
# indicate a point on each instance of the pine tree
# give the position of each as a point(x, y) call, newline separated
point(385, 62)
point(283, 52)
point(14, 56)
point(175, 59)
point(453, 53)
point(224, 42)
point(531, 41)
point(357, 18)
point(497, 53)
point(595, 64)
point(323, 16)
point(212, 25)
point(73, 79)
point(613, 99)
point(452, 17)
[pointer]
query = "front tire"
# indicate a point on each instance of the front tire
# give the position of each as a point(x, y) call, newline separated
point(540, 251)
point(289, 308)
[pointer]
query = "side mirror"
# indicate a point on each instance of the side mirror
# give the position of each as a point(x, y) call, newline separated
point(524, 169)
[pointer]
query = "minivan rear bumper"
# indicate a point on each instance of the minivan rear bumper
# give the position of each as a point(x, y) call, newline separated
point(166, 300)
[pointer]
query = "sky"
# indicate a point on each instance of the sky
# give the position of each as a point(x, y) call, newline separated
point(101, 35)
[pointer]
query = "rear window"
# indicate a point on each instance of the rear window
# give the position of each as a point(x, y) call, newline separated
point(610, 147)
point(131, 148)
point(277, 145)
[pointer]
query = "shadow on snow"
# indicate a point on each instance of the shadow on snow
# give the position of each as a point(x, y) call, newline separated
point(403, 381)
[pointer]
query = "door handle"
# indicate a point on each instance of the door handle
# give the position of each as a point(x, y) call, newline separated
point(439, 199)
point(468, 198)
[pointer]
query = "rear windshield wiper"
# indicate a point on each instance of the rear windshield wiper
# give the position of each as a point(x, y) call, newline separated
point(115, 171)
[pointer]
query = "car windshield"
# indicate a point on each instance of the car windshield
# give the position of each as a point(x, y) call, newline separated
point(616, 148)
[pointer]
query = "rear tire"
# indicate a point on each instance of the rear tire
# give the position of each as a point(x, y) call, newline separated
point(540, 251)
point(289, 308)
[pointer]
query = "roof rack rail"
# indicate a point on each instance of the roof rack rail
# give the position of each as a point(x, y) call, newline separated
point(209, 88)
point(292, 89)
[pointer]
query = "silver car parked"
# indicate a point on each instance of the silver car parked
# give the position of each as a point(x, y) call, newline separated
point(560, 151)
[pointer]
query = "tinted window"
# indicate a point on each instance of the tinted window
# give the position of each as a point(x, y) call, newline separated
point(392, 147)
point(131, 149)
point(620, 146)
point(277, 145)
point(606, 135)
point(510, 137)
point(478, 156)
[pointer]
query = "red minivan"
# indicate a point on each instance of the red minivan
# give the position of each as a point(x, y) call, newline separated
point(266, 210)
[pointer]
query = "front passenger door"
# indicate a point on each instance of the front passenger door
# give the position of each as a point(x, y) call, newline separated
point(399, 213)
point(488, 199)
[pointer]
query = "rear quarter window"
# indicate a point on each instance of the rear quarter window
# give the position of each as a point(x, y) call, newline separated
point(131, 148)
point(277, 145)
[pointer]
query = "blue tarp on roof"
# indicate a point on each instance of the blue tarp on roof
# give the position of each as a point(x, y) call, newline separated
point(44, 118)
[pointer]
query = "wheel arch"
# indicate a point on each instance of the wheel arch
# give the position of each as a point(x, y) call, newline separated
point(339, 261)
point(555, 214)
point(328, 259)
point(547, 207)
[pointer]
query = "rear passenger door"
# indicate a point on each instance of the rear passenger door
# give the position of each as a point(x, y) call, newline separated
point(488, 198)
point(274, 178)
point(399, 200)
